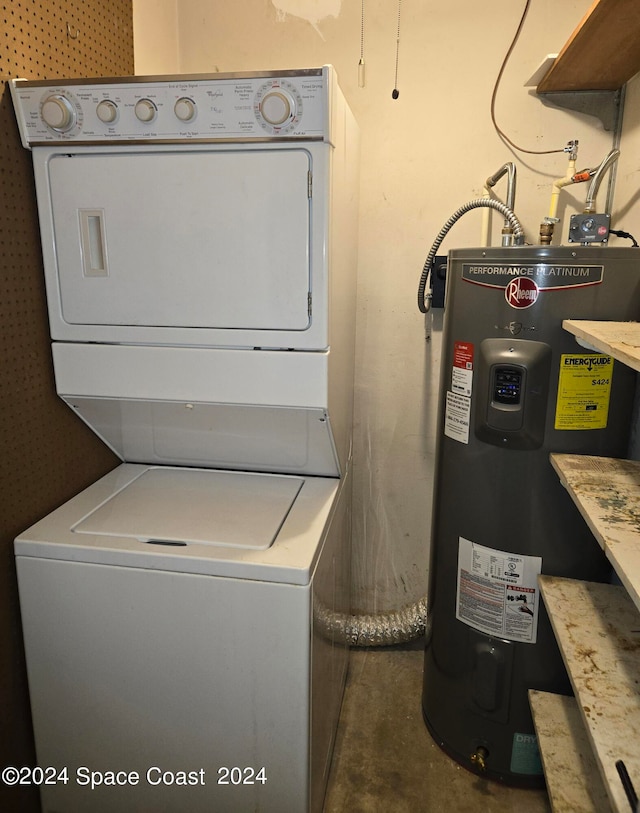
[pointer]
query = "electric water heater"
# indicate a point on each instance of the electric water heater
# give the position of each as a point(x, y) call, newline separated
point(514, 388)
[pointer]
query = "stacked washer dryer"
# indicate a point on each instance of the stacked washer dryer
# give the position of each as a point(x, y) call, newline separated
point(199, 243)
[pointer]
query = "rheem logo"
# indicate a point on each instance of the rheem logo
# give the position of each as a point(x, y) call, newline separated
point(521, 292)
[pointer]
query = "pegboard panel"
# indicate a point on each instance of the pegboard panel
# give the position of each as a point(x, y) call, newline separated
point(52, 449)
point(46, 453)
point(76, 38)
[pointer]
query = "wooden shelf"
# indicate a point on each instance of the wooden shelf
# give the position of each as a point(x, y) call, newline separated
point(603, 53)
point(607, 494)
point(619, 339)
point(597, 627)
point(573, 779)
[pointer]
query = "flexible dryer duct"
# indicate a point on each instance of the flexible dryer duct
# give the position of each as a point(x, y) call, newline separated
point(384, 629)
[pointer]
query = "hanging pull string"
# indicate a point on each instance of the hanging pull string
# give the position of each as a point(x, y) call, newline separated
point(395, 93)
point(361, 62)
point(500, 132)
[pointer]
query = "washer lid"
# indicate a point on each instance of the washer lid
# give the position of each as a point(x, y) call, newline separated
point(181, 507)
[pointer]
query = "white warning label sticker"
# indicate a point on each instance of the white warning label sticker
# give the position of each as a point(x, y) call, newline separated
point(457, 417)
point(497, 591)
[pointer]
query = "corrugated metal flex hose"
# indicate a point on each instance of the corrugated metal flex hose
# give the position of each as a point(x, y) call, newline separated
point(489, 203)
point(383, 629)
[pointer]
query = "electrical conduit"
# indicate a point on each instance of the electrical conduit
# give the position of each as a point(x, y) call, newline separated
point(424, 298)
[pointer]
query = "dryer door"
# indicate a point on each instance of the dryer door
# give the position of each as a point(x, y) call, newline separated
point(198, 239)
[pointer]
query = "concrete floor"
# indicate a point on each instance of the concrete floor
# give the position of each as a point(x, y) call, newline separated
point(385, 760)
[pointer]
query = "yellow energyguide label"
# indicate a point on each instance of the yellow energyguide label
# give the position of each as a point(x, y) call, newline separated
point(584, 391)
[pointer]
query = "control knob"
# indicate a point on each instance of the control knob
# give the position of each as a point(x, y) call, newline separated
point(58, 113)
point(277, 106)
point(107, 111)
point(185, 109)
point(145, 110)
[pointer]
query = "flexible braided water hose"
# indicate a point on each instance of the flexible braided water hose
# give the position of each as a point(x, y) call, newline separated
point(518, 234)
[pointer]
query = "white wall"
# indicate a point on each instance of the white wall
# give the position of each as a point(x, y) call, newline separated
point(155, 37)
point(423, 155)
point(626, 210)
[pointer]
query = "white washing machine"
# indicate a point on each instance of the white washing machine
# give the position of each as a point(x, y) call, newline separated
point(199, 245)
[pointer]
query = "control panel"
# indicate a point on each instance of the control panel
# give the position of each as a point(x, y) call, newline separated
point(507, 385)
point(589, 228)
point(511, 392)
point(292, 104)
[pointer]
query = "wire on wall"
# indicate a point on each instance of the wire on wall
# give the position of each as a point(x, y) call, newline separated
point(500, 132)
point(395, 93)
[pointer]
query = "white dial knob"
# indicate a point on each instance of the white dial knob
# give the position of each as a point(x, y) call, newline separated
point(276, 107)
point(58, 113)
point(107, 111)
point(146, 110)
point(185, 109)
